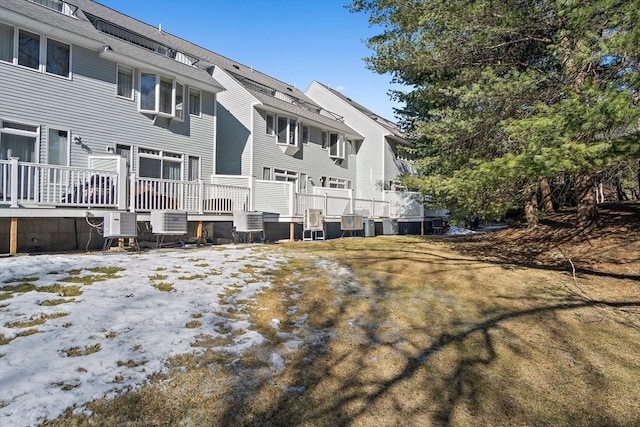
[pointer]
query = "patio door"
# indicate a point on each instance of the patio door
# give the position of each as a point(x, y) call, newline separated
point(23, 146)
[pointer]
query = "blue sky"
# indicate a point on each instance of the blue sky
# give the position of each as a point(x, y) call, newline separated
point(296, 41)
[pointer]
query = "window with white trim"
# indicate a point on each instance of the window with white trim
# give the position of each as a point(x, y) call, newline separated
point(266, 173)
point(302, 183)
point(287, 131)
point(58, 58)
point(339, 183)
point(179, 101)
point(159, 164)
point(194, 168)
point(57, 151)
point(336, 146)
point(271, 124)
point(159, 95)
point(195, 103)
point(28, 49)
point(18, 140)
point(124, 82)
point(31, 50)
point(285, 175)
point(6, 42)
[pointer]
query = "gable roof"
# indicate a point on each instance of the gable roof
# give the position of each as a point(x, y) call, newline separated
point(394, 130)
point(269, 91)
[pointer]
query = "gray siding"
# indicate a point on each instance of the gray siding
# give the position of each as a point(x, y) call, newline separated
point(311, 159)
point(233, 152)
point(87, 106)
point(375, 159)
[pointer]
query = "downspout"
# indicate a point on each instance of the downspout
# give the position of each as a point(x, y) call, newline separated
point(215, 134)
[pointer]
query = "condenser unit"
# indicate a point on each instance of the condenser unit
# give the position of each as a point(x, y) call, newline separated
point(169, 222)
point(351, 222)
point(313, 219)
point(248, 222)
point(120, 224)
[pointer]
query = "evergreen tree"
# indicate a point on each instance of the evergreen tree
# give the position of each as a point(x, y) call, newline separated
point(504, 94)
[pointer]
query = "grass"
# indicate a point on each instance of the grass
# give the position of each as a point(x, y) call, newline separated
point(35, 320)
point(406, 331)
point(81, 351)
point(164, 286)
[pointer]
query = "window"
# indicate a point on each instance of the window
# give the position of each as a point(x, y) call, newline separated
point(325, 139)
point(305, 135)
point(159, 164)
point(29, 50)
point(124, 82)
point(179, 101)
point(195, 103)
point(160, 95)
point(194, 168)
point(6, 43)
point(58, 147)
point(302, 183)
point(271, 125)
point(284, 175)
point(339, 183)
point(336, 146)
point(58, 58)
point(57, 151)
point(287, 131)
point(18, 140)
point(266, 174)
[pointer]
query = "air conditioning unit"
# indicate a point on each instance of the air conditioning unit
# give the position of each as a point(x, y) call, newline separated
point(120, 224)
point(313, 219)
point(248, 222)
point(169, 222)
point(351, 222)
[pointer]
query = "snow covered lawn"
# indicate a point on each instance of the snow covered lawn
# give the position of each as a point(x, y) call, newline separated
point(78, 327)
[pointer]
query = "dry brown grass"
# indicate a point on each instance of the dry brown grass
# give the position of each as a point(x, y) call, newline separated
point(413, 333)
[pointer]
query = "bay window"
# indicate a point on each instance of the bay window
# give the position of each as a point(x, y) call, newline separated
point(160, 95)
point(287, 131)
point(336, 146)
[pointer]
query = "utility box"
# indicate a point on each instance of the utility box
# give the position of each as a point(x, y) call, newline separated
point(351, 222)
point(169, 222)
point(120, 224)
point(369, 227)
point(389, 227)
point(248, 222)
point(313, 220)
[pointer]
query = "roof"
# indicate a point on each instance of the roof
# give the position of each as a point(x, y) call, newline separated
point(81, 27)
point(388, 125)
point(301, 105)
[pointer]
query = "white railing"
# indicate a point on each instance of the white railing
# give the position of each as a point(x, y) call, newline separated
point(32, 184)
point(149, 194)
point(24, 183)
point(334, 207)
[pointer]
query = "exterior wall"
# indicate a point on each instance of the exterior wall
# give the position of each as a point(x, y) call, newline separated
point(233, 154)
point(87, 106)
point(375, 159)
point(311, 159)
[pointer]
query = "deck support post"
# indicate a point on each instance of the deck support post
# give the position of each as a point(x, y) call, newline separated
point(292, 231)
point(422, 227)
point(199, 239)
point(13, 236)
